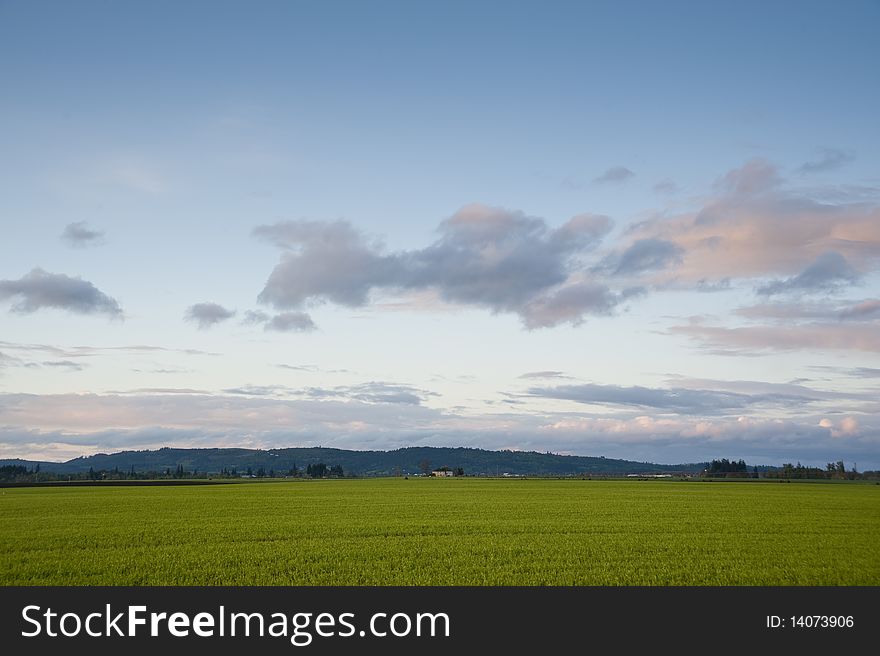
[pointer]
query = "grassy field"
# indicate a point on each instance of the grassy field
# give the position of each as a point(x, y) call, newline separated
point(443, 532)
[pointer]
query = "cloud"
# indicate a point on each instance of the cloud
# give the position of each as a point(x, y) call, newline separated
point(846, 427)
point(64, 364)
point(324, 261)
point(829, 159)
point(754, 228)
point(544, 374)
point(756, 339)
point(370, 392)
point(486, 257)
point(781, 392)
point(256, 390)
point(79, 235)
point(751, 228)
point(194, 410)
point(68, 425)
point(864, 311)
point(615, 174)
point(207, 314)
point(677, 400)
point(90, 351)
point(787, 312)
point(709, 287)
point(40, 289)
point(252, 317)
point(826, 274)
point(160, 390)
point(569, 305)
point(754, 177)
point(290, 322)
point(665, 186)
point(9, 361)
point(499, 259)
point(644, 255)
point(865, 372)
point(854, 372)
point(286, 322)
point(373, 392)
point(164, 370)
point(867, 310)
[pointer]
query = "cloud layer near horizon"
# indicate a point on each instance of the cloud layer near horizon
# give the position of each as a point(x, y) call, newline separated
point(71, 424)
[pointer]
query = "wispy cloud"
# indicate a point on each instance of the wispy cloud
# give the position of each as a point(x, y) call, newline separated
point(257, 390)
point(864, 311)
point(255, 317)
point(665, 186)
point(867, 310)
point(373, 392)
point(855, 372)
point(829, 159)
point(865, 372)
point(69, 365)
point(9, 361)
point(756, 339)
point(544, 374)
point(755, 177)
point(90, 351)
point(678, 400)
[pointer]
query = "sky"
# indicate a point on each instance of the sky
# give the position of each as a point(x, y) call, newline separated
point(631, 229)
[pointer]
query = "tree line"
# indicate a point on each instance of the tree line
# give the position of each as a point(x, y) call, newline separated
point(722, 468)
point(730, 468)
point(725, 468)
point(833, 470)
point(22, 474)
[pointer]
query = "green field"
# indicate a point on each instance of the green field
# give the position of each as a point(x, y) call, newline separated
point(443, 532)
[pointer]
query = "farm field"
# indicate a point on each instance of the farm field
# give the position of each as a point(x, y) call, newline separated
point(443, 532)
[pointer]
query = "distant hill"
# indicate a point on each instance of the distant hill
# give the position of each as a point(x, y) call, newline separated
point(363, 463)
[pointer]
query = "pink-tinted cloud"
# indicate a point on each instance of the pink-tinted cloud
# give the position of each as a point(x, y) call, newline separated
point(869, 309)
point(818, 336)
point(866, 310)
point(753, 228)
point(846, 427)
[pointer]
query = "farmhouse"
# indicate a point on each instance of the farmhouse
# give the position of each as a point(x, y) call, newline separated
point(443, 471)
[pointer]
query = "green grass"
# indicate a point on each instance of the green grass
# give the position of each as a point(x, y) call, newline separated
point(443, 532)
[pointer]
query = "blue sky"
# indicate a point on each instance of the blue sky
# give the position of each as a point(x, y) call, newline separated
point(638, 230)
